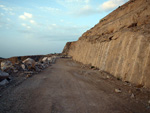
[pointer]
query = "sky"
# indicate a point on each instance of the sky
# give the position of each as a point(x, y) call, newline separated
point(36, 27)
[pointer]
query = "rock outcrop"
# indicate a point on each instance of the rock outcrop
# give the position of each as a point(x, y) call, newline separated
point(119, 43)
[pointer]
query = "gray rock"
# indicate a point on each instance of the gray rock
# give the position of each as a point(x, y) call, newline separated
point(4, 82)
point(3, 74)
point(132, 95)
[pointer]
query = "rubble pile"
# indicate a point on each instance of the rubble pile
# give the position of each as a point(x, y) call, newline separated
point(28, 67)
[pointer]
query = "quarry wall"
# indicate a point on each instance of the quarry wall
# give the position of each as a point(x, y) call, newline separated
point(119, 43)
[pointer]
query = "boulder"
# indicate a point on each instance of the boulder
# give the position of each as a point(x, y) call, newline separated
point(45, 60)
point(37, 69)
point(6, 65)
point(30, 63)
point(52, 59)
point(23, 67)
point(38, 65)
point(4, 82)
point(3, 75)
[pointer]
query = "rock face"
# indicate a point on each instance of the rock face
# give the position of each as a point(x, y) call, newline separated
point(119, 43)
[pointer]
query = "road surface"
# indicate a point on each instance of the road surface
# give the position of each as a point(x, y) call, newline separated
point(66, 87)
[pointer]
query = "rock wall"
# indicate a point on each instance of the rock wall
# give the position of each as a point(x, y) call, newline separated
point(119, 43)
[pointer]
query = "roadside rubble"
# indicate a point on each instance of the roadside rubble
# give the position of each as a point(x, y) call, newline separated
point(118, 90)
point(3, 78)
point(28, 67)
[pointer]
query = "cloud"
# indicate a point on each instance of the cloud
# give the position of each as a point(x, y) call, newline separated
point(32, 22)
point(50, 9)
point(22, 17)
point(2, 6)
point(26, 16)
point(111, 4)
point(86, 11)
point(5, 8)
point(25, 25)
point(75, 1)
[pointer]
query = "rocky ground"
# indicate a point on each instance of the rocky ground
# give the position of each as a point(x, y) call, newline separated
point(70, 87)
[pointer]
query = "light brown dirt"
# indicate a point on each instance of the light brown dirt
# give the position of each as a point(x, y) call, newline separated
point(66, 87)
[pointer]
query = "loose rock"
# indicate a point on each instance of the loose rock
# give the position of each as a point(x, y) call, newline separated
point(149, 102)
point(28, 76)
point(3, 75)
point(4, 82)
point(118, 90)
point(5, 65)
point(132, 95)
point(30, 63)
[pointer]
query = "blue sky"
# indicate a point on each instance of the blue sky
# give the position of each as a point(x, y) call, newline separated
point(30, 27)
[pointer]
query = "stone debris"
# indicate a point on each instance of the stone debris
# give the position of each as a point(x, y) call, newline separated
point(27, 66)
point(30, 63)
point(29, 72)
point(15, 71)
point(28, 76)
point(149, 102)
point(118, 90)
point(108, 77)
point(23, 67)
point(3, 75)
point(5, 65)
point(4, 82)
point(45, 60)
point(132, 95)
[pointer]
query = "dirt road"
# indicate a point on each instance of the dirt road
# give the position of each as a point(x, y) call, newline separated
point(65, 87)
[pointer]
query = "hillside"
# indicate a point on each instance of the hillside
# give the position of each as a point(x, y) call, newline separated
point(119, 44)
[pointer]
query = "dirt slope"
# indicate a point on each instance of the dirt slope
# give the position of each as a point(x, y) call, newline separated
point(65, 87)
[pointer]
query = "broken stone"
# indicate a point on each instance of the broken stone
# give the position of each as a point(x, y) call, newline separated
point(23, 67)
point(28, 72)
point(37, 69)
point(5, 65)
point(3, 75)
point(52, 59)
point(108, 77)
point(118, 90)
point(45, 60)
point(28, 76)
point(132, 95)
point(38, 65)
point(4, 82)
point(30, 63)
point(15, 71)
